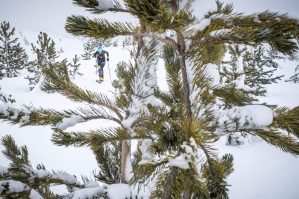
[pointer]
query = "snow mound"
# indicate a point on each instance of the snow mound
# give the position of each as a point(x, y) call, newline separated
point(116, 191)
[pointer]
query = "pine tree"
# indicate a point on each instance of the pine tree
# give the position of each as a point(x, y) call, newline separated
point(247, 72)
point(12, 56)
point(6, 99)
point(90, 46)
point(45, 53)
point(74, 66)
point(245, 75)
point(175, 128)
point(294, 78)
point(21, 180)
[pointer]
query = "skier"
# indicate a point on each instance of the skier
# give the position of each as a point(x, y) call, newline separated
point(101, 61)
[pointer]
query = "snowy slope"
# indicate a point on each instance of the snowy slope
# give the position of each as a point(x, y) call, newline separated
point(38, 138)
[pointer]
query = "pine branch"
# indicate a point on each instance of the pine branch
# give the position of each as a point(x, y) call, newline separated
point(157, 17)
point(94, 139)
point(97, 28)
point(100, 28)
point(109, 171)
point(93, 6)
point(21, 172)
point(67, 88)
point(216, 182)
point(30, 116)
point(17, 156)
point(287, 119)
point(285, 143)
point(280, 31)
point(15, 189)
point(232, 96)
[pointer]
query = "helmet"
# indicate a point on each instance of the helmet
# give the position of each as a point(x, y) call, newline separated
point(99, 48)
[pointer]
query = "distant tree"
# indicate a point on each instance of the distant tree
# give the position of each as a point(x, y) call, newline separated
point(243, 78)
point(295, 77)
point(12, 56)
point(74, 66)
point(90, 46)
point(248, 72)
point(6, 99)
point(45, 53)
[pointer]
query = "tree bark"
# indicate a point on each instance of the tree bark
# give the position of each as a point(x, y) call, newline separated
point(186, 87)
point(125, 157)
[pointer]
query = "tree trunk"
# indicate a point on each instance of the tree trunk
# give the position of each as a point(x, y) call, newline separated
point(182, 58)
point(125, 157)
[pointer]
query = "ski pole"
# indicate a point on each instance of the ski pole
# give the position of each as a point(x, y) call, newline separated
point(109, 71)
point(96, 67)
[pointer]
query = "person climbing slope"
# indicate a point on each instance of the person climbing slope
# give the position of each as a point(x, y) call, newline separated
point(101, 61)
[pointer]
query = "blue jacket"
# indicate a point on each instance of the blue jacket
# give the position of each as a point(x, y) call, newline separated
point(101, 56)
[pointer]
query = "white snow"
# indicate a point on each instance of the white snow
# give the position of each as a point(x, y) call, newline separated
point(105, 4)
point(256, 19)
point(180, 162)
point(189, 155)
point(244, 117)
point(219, 32)
point(143, 88)
point(3, 108)
point(35, 195)
point(212, 72)
point(240, 81)
point(117, 191)
point(3, 170)
point(68, 122)
point(86, 193)
point(202, 24)
point(16, 186)
point(202, 7)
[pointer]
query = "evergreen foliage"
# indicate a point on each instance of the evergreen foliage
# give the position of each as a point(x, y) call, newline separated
point(12, 56)
point(247, 72)
point(176, 128)
point(108, 170)
point(29, 182)
point(243, 78)
point(295, 78)
point(74, 66)
point(6, 99)
point(45, 53)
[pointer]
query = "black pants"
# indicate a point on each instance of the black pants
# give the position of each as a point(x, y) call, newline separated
point(101, 69)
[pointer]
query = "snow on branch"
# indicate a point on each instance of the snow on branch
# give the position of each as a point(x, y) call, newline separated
point(189, 156)
point(101, 6)
point(113, 191)
point(64, 178)
point(11, 187)
point(105, 4)
point(3, 170)
point(69, 122)
point(143, 86)
point(244, 117)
